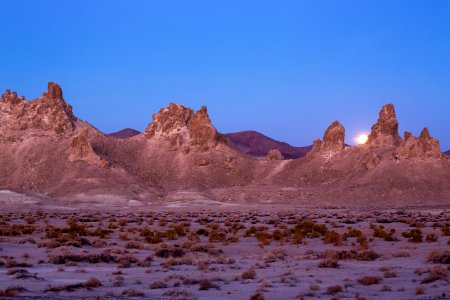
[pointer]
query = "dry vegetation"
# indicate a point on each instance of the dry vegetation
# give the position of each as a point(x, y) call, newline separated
point(255, 255)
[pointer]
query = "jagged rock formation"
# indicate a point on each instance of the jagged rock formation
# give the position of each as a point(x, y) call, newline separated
point(423, 146)
point(274, 154)
point(385, 131)
point(46, 149)
point(81, 150)
point(47, 113)
point(182, 126)
point(333, 140)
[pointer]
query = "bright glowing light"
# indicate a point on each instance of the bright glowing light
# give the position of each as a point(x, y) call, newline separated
point(362, 139)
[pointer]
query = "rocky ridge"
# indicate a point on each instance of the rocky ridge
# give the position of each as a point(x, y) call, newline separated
point(47, 113)
point(46, 149)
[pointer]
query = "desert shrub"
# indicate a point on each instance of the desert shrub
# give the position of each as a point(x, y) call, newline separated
point(445, 229)
point(351, 232)
point(16, 229)
point(133, 245)
point(169, 252)
point(362, 241)
point(366, 255)
point(150, 236)
point(205, 284)
point(249, 274)
point(104, 257)
point(65, 288)
point(334, 289)
point(332, 237)
point(12, 291)
point(390, 274)
point(132, 293)
point(369, 280)
point(158, 285)
point(413, 235)
point(126, 261)
point(258, 295)
point(380, 232)
point(431, 238)
point(217, 236)
point(438, 272)
point(277, 235)
point(439, 256)
point(420, 290)
point(92, 283)
point(329, 263)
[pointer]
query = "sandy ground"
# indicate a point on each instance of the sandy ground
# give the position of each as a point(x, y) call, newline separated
point(204, 249)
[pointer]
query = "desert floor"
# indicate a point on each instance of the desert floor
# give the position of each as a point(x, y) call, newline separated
point(209, 250)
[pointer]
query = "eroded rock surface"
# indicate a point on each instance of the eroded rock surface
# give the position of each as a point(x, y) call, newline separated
point(274, 154)
point(423, 146)
point(81, 150)
point(47, 113)
point(181, 125)
point(385, 131)
point(333, 140)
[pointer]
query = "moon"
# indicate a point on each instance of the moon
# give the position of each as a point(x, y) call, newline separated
point(362, 139)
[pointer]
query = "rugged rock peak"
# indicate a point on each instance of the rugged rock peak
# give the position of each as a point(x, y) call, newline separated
point(81, 150)
point(333, 140)
point(274, 154)
point(407, 135)
point(201, 129)
point(172, 118)
point(425, 134)
point(54, 91)
point(385, 131)
point(423, 146)
point(181, 125)
point(12, 98)
point(49, 112)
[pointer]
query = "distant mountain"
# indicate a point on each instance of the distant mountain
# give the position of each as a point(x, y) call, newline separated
point(447, 153)
point(256, 144)
point(124, 133)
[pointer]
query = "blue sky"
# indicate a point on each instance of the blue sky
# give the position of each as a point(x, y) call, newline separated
point(284, 68)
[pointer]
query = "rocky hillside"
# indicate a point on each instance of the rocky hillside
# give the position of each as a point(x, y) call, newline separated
point(124, 133)
point(256, 144)
point(46, 149)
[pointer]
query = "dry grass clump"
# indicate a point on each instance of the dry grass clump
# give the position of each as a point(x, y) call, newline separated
point(133, 293)
point(249, 274)
point(437, 272)
point(439, 256)
point(206, 284)
point(390, 274)
point(92, 283)
point(258, 295)
point(166, 251)
point(64, 258)
point(12, 291)
point(431, 238)
point(366, 255)
point(65, 288)
point(332, 237)
point(413, 235)
point(420, 290)
point(329, 263)
point(158, 285)
point(369, 280)
point(334, 289)
point(380, 232)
